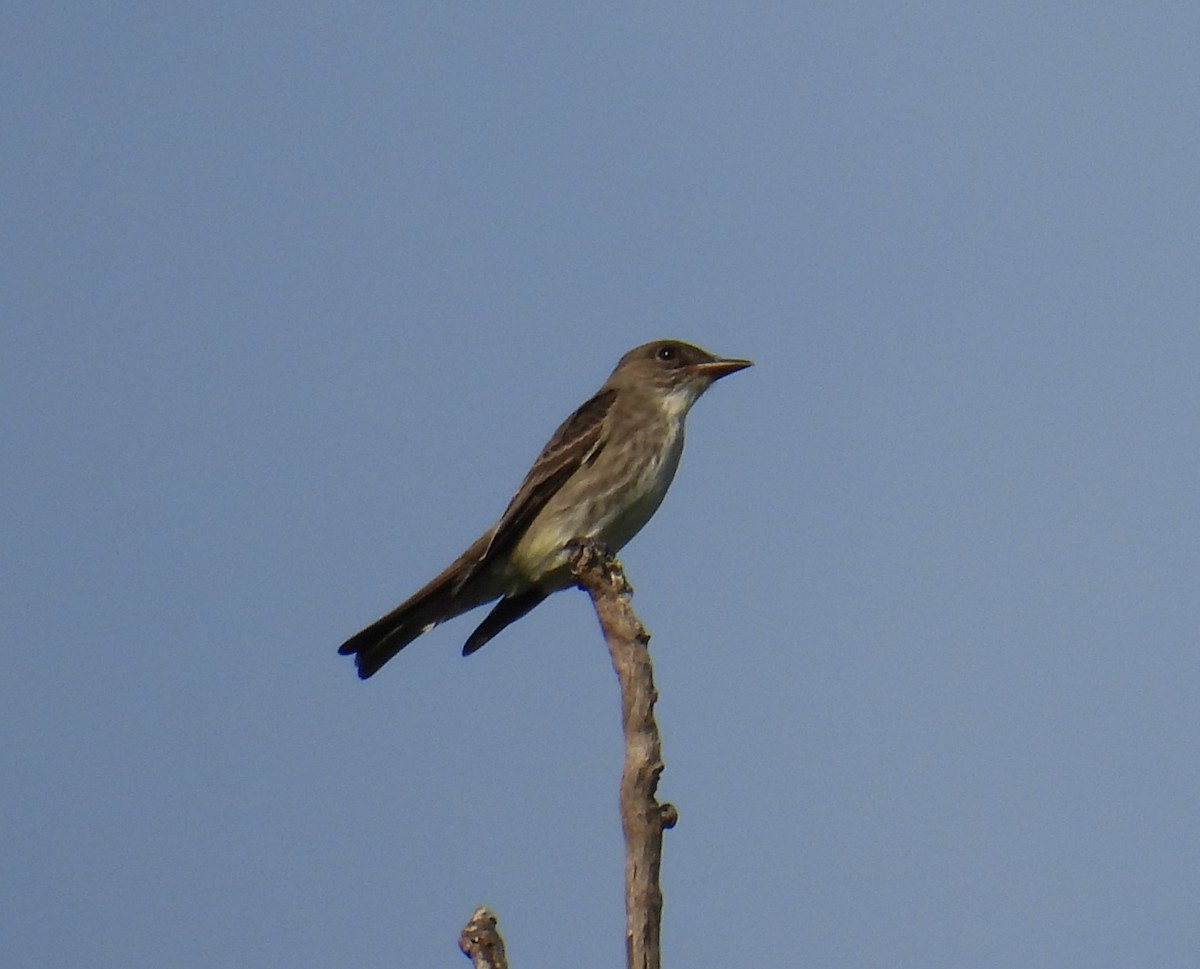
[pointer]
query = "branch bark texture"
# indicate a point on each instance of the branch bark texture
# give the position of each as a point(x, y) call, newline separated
point(481, 943)
point(643, 818)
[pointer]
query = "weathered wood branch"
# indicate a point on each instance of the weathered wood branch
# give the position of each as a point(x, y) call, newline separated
point(643, 818)
point(480, 941)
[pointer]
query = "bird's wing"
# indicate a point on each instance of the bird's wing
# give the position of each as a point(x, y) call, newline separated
point(576, 444)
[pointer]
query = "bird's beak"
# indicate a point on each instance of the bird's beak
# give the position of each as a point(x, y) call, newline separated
point(716, 369)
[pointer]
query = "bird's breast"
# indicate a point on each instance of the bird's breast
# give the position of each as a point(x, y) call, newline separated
point(610, 500)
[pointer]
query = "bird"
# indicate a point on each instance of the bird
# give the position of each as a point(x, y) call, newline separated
point(600, 478)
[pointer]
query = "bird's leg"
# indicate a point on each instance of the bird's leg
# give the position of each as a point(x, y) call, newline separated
point(587, 553)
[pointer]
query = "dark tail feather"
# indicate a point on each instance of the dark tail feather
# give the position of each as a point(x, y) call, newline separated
point(384, 638)
point(507, 610)
point(445, 596)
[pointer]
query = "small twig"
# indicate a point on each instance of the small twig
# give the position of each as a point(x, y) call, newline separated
point(480, 941)
point(642, 817)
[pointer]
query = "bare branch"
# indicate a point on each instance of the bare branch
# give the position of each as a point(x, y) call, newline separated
point(481, 943)
point(642, 817)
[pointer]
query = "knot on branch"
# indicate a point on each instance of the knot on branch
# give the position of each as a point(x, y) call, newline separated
point(480, 941)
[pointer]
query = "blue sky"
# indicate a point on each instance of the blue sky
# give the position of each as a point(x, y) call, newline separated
point(293, 294)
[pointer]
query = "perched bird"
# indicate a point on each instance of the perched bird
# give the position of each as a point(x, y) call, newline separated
point(601, 477)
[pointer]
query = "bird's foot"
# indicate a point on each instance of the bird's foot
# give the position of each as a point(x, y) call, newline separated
point(590, 554)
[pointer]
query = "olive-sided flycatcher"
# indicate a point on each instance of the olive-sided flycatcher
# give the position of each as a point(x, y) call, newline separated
point(601, 477)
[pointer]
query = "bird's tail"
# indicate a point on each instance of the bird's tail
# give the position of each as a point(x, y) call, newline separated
point(448, 595)
point(385, 637)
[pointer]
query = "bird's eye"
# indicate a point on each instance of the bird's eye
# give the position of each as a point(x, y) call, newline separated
point(667, 353)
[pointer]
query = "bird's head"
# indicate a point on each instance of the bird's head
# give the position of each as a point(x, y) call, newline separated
point(677, 372)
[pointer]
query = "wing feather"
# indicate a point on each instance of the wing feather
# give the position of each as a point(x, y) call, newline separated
point(578, 441)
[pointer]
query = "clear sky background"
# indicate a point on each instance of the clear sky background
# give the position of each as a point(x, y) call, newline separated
point(292, 295)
